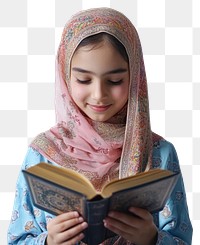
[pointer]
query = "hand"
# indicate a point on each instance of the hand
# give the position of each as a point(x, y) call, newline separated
point(137, 227)
point(66, 228)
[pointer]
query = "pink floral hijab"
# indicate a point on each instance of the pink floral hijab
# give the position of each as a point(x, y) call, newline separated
point(100, 150)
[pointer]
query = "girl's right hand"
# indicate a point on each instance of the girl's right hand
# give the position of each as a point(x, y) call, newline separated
point(66, 228)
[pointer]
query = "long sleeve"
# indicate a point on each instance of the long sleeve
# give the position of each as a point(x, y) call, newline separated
point(28, 224)
point(173, 221)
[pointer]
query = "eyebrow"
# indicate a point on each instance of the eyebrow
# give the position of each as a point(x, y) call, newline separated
point(115, 71)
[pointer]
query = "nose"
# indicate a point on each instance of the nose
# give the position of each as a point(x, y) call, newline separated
point(99, 90)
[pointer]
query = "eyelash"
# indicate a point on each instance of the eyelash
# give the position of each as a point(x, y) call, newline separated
point(109, 81)
point(115, 82)
point(83, 81)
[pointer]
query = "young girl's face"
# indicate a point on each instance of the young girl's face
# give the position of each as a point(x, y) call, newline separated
point(99, 81)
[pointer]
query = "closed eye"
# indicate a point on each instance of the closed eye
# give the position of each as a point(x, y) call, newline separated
point(83, 81)
point(118, 82)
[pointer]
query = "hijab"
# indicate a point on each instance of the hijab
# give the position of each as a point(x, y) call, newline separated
point(101, 151)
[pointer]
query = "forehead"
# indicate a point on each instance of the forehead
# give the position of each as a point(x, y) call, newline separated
point(98, 59)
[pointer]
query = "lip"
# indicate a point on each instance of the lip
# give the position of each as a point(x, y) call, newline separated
point(99, 108)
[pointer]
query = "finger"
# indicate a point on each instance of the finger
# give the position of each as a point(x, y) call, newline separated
point(118, 227)
point(127, 219)
point(67, 224)
point(63, 222)
point(74, 231)
point(62, 217)
point(75, 239)
point(73, 234)
point(141, 213)
point(65, 216)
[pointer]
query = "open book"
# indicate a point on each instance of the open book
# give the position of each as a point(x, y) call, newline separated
point(56, 190)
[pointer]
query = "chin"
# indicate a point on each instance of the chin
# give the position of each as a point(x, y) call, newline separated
point(99, 119)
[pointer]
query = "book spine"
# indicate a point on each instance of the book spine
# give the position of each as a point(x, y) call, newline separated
point(96, 211)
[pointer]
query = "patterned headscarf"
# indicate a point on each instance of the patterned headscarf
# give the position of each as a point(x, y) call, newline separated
point(100, 150)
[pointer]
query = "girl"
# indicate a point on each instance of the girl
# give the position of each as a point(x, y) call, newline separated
point(103, 131)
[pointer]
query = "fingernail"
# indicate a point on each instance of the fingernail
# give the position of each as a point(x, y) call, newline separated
point(81, 236)
point(80, 219)
point(111, 214)
point(84, 225)
point(105, 223)
point(76, 214)
point(132, 209)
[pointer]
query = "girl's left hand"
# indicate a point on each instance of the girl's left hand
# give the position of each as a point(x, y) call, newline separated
point(137, 227)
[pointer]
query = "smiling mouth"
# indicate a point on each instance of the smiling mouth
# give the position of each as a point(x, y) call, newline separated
point(99, 108)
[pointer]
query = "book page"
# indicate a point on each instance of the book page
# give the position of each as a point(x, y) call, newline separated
point(133, 181)
point(64, 177)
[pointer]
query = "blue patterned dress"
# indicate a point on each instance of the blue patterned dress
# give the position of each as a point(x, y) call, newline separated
point(29, 224)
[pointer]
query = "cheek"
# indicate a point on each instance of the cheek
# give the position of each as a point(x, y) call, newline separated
point(78, 93)
point(121, 92)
